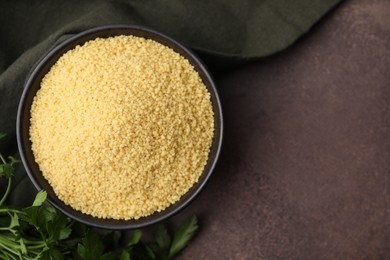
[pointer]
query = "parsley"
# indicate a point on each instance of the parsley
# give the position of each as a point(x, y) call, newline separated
point(42, 232)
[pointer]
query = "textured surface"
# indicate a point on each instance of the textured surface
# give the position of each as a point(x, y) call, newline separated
point(305, 169)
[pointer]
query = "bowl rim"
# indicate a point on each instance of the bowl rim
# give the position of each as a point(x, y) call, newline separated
point(48, 56)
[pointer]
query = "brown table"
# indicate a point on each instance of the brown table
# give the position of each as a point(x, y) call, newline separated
point(305, 167)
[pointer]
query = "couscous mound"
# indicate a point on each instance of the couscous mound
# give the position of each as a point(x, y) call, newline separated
point(121, 127)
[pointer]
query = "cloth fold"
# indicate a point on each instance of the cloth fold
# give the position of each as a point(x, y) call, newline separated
point(223, 32)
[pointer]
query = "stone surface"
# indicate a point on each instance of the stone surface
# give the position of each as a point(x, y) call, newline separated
point(305, 167)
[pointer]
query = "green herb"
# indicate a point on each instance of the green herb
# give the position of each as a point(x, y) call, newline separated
point(183, 235)
point(42, 232)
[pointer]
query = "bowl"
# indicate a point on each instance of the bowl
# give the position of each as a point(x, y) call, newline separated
point(32, 85)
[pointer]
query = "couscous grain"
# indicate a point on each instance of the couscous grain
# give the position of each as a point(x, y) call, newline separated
point(121, 127)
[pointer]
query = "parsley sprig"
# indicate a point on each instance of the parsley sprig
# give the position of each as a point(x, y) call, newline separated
point(42, 232)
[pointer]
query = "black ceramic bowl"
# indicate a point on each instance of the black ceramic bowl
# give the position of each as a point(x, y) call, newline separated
point(32, 85)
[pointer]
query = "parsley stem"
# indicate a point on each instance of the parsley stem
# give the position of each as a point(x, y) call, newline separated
point(5, 229)
point(34, 242)
point(31, 244)
point(8, 245)
point(12, 211)
point(14, 248)
point(43, 245)
point(2, 159)
point(6, 192)
point(6, 255)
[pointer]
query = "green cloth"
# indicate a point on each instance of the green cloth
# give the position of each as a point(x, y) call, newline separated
point(223, 32)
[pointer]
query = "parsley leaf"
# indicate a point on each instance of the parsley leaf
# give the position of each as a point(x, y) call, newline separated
point(91, 247)
point(162, 238)
point(183, 235)
point(31, 213)
point(124, 255)
point(39, 198)
point(14, 221)
point(58, 229)
point(6, 170)
point(51, 254)
point(135, 237)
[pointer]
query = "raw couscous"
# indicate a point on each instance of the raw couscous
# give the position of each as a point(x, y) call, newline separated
point(121, 127)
